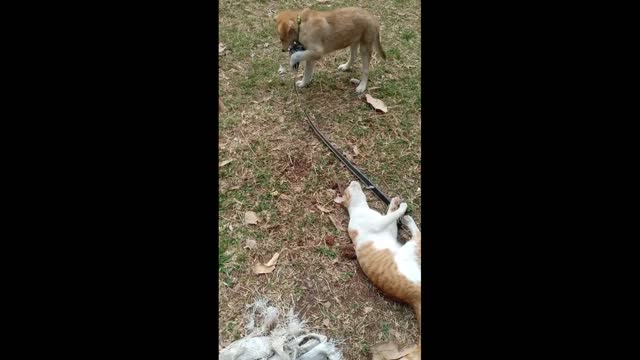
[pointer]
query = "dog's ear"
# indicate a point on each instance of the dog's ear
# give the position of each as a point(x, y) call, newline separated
point(291, 27)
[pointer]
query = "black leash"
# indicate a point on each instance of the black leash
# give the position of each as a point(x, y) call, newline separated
point(354, 170)
point(293, 48)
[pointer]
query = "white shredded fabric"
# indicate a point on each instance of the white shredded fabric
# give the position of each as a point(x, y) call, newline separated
point(272, 337)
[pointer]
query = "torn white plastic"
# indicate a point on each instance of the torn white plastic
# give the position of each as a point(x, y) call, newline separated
point(278, 338)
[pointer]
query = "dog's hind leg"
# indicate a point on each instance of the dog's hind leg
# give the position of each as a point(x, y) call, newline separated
point(354, 53)
point(365, 52)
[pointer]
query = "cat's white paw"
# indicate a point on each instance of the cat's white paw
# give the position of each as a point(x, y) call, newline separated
point(344, 67)
point(403, 207)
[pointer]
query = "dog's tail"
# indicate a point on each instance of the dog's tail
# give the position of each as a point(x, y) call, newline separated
point(379, 47)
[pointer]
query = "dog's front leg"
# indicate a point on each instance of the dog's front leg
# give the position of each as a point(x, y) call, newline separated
point(308, 73)
point(309, 57)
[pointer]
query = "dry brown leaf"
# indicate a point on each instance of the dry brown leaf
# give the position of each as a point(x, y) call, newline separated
point(367, 309)
point(250, 244)
point(323, 209)
point(326, 322)
point(258, 268)
point(336, 224)
point(285, 197)
point(274, 260)
point(267, 268)
point(376, 103)
point(224, 163)
point(401, 355)
point(356, 152)
point(389, 351)
point(250, 217)
point(386, 351)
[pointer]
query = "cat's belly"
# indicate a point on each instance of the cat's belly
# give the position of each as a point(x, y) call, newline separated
point(380, 241)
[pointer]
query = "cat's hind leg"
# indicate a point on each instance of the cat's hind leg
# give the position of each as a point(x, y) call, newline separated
point(393, 205)
point(391, 217)
point(415, 233)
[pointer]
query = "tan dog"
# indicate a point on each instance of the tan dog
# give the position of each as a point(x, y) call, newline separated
point(323, 32)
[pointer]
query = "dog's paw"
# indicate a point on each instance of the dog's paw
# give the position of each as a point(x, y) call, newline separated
point(301, 83)
point(361, 88)
point(344, 67)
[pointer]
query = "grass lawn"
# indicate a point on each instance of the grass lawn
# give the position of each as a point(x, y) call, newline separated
point(282, 172)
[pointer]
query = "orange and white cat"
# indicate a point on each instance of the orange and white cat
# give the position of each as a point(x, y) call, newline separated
point(392, 267)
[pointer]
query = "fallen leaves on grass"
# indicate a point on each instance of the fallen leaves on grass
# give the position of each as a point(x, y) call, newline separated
point(221, 48)
point(356, 152)
point(389, 351)
point(224, 163)
point(326, 323)
point(274, 260)
point(376, 103)
point(250, 218)
point(367, 309)
point(259, 268)
point(250, 244)
point(323, 209)
point(336, 224)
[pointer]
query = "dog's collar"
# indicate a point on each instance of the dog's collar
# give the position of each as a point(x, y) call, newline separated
point(296, 46)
